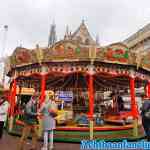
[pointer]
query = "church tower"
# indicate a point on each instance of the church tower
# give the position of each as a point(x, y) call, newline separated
point(52, 35)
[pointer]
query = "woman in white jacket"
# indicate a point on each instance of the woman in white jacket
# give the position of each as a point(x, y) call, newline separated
point(3, 113)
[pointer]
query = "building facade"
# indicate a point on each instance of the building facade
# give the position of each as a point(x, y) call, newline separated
point(139, 41)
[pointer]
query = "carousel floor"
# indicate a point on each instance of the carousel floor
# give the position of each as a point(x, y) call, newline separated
point(107, 132)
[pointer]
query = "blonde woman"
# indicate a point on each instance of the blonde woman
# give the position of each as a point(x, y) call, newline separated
point(49, 111)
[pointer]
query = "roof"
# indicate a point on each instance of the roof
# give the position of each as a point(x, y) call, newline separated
point(140, 35)
point(71, 50)
point(80, 47)
point(82, 34)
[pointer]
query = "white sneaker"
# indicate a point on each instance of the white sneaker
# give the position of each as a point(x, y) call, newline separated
point(51, 147)
point(44, 148)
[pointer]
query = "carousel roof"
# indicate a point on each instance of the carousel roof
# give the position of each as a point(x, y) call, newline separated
point(72, 50)
point(80, 47)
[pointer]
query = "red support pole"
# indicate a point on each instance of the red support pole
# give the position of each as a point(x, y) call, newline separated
point(12, 103)
point(43, 86)
point(134, 108)
point(13, 97)
point(146, 91)
point(91, 96)
point(148, 86)
point(10, 98)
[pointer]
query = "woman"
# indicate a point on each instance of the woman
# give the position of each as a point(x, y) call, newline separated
point(49, 111)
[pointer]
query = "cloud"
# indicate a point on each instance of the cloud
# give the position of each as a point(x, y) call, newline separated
point(29, 20)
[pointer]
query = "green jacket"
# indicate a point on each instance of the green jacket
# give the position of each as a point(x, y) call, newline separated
point(30, 115)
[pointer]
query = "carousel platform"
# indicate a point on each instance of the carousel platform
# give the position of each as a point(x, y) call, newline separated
point(106, 132)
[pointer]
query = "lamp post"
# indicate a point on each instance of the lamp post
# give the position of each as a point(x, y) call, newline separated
point(3, 59)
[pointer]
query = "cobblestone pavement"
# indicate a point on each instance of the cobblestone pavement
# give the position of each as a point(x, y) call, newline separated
point(10, 143)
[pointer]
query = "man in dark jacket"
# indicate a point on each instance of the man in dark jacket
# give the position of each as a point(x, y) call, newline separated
point(145, 113)
point(31, 121)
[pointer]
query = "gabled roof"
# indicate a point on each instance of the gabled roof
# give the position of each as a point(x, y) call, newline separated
point(82, 35)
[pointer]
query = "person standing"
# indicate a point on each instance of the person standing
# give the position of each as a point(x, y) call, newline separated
point(115, 104)
point(3, 113)
point(120, 103)
point(145, 114)
point(49, 111)
point(31, 122)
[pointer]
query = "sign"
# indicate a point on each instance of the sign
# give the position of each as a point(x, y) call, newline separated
point(25, 91)
point(67, 96)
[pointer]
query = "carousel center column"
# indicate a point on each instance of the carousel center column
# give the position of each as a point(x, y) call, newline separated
point(12, 102)
point(43, 84)
point(91, 99)
point(134, 109)
point(42, 97)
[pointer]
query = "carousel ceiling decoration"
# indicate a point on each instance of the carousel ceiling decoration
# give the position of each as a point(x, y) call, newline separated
point(67, 68)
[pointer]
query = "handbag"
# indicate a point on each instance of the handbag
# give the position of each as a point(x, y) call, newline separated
point(53, 114)
point(52, 110)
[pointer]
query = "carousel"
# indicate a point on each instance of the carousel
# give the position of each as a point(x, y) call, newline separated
point(87, 81)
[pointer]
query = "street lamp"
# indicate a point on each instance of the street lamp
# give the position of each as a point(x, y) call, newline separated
point(2, 59)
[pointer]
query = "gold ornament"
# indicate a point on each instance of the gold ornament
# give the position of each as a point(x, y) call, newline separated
point(39, 54)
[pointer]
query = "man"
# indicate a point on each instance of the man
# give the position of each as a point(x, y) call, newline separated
point(3, 113)
point(120, 103)
point(31, 121)
point(145, 113)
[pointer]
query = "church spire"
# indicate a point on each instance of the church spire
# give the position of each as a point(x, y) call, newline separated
point(67, 34)
point(83, 22)
point(52, 35)
point(97, 39)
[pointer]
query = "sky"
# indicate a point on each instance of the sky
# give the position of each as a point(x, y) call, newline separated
point(29, 20)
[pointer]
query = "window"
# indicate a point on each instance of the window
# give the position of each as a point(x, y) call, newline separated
point(79, 39)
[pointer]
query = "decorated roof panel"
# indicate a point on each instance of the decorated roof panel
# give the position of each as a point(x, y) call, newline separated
point(116, 53)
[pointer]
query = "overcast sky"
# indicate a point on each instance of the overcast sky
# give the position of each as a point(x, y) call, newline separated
point(29, 20)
